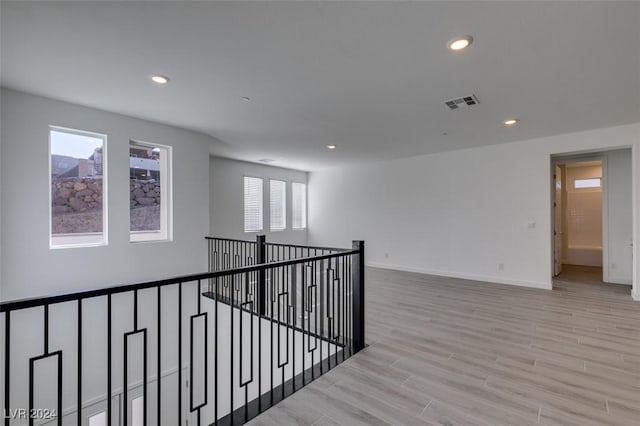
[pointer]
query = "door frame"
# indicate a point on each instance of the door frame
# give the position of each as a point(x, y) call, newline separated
point(560, 159)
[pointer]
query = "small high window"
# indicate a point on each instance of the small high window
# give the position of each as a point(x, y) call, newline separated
point(299, 205)
point(278, 205)
point(252, 204)
point(587, 183)
point(149, 192)
point(78, 188)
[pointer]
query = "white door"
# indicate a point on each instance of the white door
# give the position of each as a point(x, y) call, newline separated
point(92, 415)
point(557, 230)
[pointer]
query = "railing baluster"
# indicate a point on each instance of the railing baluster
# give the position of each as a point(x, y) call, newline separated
point(7, 364)
point(215, 354)
point(180, 384)
point(260, 296)
point(109, 408)
point(145, 380)
point(294, 298)
point(135, 310)
point(261, 257)
point(282, 290)
point(240, 348)
point(322, 309)
point(271, 364)
point(343, 302)
point(79, 412)
point(358, 296)
point(314, 311)
point(303, 310)
point(159, 366)
point(231, 349)
point(46, 329)
point(125, 385)
point(191, 355)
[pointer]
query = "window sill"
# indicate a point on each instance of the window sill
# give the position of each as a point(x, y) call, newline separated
point(149, 237)
point(66, 241)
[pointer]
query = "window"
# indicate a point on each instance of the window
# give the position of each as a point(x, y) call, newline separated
point(78, 188)
point(150, 204)
point(137, 411)
point(299, 205)
point(99, 419)
point(278, 205)
point(587, 183)
point(252, 204)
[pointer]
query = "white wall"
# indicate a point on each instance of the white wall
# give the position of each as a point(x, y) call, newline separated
point(29, 267)
point(620, 205)
point(227, 199)
point(460, 213)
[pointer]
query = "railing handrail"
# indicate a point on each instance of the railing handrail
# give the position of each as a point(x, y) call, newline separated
point(280, 244)
point(14, 305)
point(230, 239)
point(336, 249)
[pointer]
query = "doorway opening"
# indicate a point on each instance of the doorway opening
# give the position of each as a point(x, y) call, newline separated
point(579, 218)
point(593, 217)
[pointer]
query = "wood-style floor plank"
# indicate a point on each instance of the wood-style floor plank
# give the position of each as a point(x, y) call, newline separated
point(447, 351)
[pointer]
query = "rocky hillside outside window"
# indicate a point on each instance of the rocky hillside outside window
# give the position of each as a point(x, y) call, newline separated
point(78, 188)
point(149, 192)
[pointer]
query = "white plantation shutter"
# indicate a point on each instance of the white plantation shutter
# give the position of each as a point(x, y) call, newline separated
point(299, 205)
point(252, 204)
point(278, 204)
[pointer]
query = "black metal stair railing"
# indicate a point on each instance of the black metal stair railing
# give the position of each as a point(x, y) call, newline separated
point(247, 334)
point(307, 289)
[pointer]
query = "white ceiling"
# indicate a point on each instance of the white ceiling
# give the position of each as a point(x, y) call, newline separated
point(369, 77)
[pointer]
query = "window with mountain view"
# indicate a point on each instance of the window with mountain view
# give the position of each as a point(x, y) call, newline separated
point(149, 192)
point(78, 188)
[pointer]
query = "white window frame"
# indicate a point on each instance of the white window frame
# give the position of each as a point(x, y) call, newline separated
point(244, 227)
point(165, 234)
point(283, 206)
point(87, 239)
point(304, 207)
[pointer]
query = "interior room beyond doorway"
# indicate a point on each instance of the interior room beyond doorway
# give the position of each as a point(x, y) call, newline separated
point(582, 214)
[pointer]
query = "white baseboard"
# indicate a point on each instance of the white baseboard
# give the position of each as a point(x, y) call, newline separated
point(621, 281)
point(635, 295)
point(473, 277)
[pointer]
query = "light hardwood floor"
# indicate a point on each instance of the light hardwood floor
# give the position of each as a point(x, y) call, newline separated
point(456, 352)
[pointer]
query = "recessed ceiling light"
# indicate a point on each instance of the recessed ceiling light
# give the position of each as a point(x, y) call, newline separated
point(459, 43)
point(160, 79)
point(511, 121)
point(246, 98)
point(331, 146)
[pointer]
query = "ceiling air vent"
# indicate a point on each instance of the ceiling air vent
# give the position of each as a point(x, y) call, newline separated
point(462, 102)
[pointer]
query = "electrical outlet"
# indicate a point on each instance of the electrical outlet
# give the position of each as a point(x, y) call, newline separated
point(614, 266)
point(500, 266)
point(386, 255)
